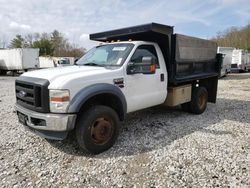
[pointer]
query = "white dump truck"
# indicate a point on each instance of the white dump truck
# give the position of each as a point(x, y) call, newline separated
point(134, 68)
point(240, 61)
point(227, 59)
point(19, 59)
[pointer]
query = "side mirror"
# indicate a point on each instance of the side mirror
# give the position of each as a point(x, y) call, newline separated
point(147, 66)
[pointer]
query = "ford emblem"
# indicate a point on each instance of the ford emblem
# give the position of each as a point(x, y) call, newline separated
point(22, 94)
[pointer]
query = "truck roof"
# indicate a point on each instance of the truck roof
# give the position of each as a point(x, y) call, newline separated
point(144, 32)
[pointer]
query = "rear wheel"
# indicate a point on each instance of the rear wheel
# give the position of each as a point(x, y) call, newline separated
point(97, 129)
point(199, 100)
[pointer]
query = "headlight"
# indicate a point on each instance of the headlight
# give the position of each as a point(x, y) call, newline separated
point(59, 100)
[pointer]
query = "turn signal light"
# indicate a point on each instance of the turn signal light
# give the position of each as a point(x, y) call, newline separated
point(152, 68)
point(59, 99)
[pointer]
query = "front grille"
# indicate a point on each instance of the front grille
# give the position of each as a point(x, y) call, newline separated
point(32, 93)
point(234, 66)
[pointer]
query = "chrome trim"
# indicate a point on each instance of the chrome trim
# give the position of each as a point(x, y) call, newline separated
point(54, 122)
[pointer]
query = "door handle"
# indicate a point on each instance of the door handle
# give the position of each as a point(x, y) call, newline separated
point(162, 77)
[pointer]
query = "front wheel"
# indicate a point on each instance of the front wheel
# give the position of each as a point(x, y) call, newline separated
point(97, 129)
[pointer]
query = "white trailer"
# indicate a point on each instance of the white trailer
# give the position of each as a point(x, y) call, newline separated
point(227, 59)
point(46, 62)
point(248, 60)
point(240, 62)
point(49, 62)
point(18, 59)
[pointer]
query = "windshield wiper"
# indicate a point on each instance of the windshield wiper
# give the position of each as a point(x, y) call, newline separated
point(92, 64)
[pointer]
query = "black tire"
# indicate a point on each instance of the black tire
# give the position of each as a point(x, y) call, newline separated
point(3, 72)
point(97, 129)
point(198, 102)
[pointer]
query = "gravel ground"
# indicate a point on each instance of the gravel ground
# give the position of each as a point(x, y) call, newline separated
point(157, 147)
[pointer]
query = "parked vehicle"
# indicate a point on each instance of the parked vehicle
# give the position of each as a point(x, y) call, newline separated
point(19, 59)
point(240, 62)
point(63, 62)
point(227, 59)
point(148, 65)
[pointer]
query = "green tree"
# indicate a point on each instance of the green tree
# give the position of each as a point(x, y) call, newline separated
point(54, 44)
point(44, 45)
point(17, 42)
point(77, 52)
point(29, 40)
point(59, 43)
point(234, 37)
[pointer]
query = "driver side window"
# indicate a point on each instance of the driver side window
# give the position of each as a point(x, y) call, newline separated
point(145, 51)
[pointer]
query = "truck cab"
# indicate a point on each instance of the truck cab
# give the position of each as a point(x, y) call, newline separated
point(117, 77)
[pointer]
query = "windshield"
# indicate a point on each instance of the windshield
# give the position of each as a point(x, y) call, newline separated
point(106, 55)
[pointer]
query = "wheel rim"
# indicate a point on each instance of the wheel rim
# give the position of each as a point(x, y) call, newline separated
point(102, 130)
point(202, 100)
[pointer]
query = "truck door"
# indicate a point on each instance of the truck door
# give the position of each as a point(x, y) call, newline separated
point(145, 90)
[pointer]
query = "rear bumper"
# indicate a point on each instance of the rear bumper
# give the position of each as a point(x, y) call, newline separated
point(45, 124)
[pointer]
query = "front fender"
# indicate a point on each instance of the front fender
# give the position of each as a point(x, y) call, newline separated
point(86, 93)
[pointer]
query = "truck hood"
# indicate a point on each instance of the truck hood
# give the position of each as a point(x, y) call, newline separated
point(54, 73)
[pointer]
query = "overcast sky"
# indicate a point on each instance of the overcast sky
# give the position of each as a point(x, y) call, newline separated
point(77, 18)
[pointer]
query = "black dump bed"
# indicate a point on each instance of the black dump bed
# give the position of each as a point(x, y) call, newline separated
point(187, 58)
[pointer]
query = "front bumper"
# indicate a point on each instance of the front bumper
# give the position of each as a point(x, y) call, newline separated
point(47, 123)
